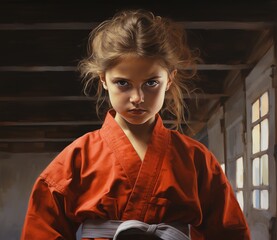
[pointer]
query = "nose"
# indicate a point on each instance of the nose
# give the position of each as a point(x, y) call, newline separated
point(137, 96)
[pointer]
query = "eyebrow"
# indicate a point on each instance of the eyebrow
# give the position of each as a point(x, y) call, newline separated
point(127, 79)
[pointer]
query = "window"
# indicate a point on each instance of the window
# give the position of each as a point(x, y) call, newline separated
point(239, 181)
point(259, 154)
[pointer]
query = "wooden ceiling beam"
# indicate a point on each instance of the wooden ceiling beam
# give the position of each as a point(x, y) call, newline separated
point(85, 11)
point(223, 67)
point(228, 25)
point(202, 67)
point(205, 25)
point(47, 99)
point(37, 68)
point(33, 140)
point(85, 98)
point(54, 123)
point(69, 123)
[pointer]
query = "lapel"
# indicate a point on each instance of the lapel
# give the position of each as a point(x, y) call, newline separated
point(120, 145)
point(142, 175)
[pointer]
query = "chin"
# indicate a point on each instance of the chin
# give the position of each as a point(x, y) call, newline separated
point(138, 121)
point(135, 122)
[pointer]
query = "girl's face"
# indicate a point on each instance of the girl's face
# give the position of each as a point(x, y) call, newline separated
point(136, 88)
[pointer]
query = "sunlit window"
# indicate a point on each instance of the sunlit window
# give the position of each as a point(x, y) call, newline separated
point(239, 195)
point(264, 134)
point(256, 137)
point(260, 141)
point(239, 181)
point(255, 111)
point(264, 170)
point(264, 104)
point(239, 173)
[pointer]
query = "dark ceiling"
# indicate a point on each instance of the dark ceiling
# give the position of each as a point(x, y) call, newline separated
point(41, 100)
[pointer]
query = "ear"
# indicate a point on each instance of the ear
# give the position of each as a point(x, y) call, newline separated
point(171, 77)
point(103, 80)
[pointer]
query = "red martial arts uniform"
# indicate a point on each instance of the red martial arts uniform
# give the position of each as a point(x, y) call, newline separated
point(100, 175)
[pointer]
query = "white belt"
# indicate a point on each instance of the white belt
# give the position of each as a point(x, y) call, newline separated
point(114, 228)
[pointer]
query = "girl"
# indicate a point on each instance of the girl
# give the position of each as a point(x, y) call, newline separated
point(134, 178)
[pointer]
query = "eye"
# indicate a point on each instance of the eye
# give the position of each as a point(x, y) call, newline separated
point(122, 83)
point(152, 83)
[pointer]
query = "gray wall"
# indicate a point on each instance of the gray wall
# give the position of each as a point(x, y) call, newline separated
point(17, 175)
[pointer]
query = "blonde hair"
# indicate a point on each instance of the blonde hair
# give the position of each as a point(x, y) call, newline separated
point(142, 33)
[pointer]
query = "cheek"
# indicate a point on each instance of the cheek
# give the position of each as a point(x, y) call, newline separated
point(118, 98)
point(156, 98)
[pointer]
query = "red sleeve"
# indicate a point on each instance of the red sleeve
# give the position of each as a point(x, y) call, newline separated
point(46, 217)
point(222, 216)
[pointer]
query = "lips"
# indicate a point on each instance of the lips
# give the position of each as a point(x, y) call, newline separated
point(137, 111)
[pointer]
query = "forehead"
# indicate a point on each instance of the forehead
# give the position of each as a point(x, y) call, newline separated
point(137, 65)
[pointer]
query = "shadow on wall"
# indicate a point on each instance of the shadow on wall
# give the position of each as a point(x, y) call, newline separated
point(18, 173)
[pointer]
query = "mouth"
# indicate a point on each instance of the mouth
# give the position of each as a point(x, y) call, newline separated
point(137, 111)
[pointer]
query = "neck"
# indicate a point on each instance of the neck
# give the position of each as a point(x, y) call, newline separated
point(139, 131)
point(138, 134)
